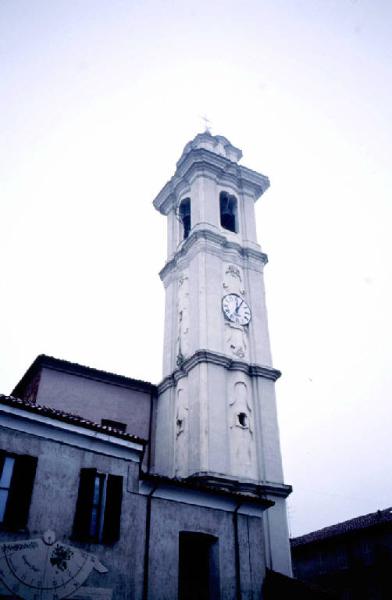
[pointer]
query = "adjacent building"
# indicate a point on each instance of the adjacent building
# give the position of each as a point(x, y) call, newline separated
point(352, 559)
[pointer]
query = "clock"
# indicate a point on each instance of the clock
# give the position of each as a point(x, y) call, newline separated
point(236, 309)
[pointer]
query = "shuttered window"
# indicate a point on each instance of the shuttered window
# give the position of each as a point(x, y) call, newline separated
point(17, 474)
point(98, 507)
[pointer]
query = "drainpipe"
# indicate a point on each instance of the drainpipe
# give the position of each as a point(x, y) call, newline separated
point(147, 542)
point(237, 552)
point(152, 396)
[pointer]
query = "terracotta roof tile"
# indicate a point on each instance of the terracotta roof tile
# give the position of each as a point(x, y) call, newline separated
point(67, 418)
point(363, 522)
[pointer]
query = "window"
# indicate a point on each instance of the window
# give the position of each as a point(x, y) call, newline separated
point(114, 425)
point(228, 212)
point(185, 216)
point(198, 577)
point(17, 474)
point(98, 508)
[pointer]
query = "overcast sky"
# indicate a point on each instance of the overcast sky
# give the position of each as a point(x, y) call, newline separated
point(98, 99)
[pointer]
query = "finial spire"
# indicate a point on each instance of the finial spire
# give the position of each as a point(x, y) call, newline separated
point(207, 123)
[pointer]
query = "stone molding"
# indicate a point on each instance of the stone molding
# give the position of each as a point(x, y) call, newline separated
point(213, 241)
point(199, 162)
point(216, 143)
point(207, 356)
point(218, 486)
point(255, 488)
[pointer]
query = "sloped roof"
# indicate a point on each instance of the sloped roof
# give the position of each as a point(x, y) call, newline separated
point(44, 361)
point(67, 418)
point(363, 522)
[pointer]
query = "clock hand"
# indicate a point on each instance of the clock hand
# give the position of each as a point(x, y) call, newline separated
point(238, 307)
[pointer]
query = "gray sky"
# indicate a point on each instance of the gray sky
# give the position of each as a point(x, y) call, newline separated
point(98, 99)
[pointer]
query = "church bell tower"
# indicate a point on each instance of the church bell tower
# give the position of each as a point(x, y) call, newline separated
point(216, 412)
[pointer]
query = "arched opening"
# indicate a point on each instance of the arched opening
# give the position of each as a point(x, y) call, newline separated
point(228, 212)
point(185, 216)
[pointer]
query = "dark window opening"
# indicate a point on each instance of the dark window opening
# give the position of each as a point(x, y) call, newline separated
point(114, 425)
point(17, 474)
point(5, 483)
point(185, 216)
point(198, 577)
point(228, 212)
point(243, 419)
point(98, 507)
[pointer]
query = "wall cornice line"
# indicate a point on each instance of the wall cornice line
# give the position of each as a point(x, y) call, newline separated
point(206, 356)
point(214, 240)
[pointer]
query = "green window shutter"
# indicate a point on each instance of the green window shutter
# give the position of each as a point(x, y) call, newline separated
point(81, 526)
point(21, 489)
point(112, 519)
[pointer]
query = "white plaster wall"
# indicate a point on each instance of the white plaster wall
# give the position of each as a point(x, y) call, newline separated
point(267, 431)
point(259, 342)
point(171, 326)
point(214, 440)
point(205, 203)
point(277, 537)
point(163, 459)
point(207, 283)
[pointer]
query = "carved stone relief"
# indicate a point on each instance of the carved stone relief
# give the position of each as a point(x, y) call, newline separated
point(241, 426)
point(236, 341)
point(234, 271)
point(181, 433)
point(183, 319)
point(233, 280)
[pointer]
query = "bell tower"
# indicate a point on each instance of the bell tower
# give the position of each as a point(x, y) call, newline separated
point(216, 413)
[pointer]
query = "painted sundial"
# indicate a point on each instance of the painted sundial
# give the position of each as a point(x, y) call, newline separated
point(43, 569)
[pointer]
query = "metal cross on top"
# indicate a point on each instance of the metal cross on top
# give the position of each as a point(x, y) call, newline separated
point(207, 123)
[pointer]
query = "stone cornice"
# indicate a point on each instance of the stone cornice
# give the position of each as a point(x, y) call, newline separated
point(201, 162)
point(218, 486)
point(214, 239)
point(207, 356)
point(256, 488)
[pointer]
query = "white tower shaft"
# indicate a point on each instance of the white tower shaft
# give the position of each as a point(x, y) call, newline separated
point(216, 411)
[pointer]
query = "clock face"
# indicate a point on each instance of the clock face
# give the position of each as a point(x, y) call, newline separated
point(236, 309)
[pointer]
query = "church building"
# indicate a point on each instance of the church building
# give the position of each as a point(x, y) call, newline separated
point(114, 488)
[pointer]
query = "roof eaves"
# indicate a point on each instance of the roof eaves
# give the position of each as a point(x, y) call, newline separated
point(346, 527)
point(50, 362)
point(67, 418)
